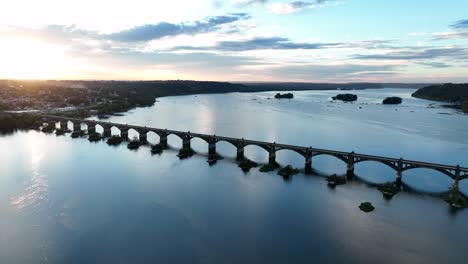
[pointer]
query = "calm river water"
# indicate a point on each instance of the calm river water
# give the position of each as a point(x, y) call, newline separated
point(66, 200)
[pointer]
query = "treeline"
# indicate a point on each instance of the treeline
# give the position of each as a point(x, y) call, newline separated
point(10, 121)
point(449, 92)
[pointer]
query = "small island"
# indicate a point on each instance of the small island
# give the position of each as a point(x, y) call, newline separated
point(134, 144)
point(284, 96)
point(346, 97)
point(247, 164)
point(114, 140)
point(158, 148)
point(185, 153)
point(94, 137)
point(392, 100)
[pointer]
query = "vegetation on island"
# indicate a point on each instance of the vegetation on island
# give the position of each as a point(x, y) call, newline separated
point(392, 100)
point(366, 207)
point(78, 133)
point(346, 97)
point(269, 167)
point(455, 198)
point(61, 131)
point(288, 171)
point(284, 96)
point(389, 189)
point(449, 92)
point(334, 180)
point(158, 148)
point(134, 143)
point(114, 140)
point(94, 137)
point(185, 153)
point(48, 129)
point(247, 164)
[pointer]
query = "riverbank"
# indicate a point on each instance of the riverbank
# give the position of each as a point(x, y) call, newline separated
point(457, 94)
point(105, 98)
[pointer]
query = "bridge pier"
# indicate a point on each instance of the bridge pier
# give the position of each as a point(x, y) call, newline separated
point(143, 137)
point(64, 125)
point(107, 132)
point(308, 164)
point(350, 167)
point(240, 153)
point(457, 178)
point(212, 151)
point(91, 128)
point(76, 127)
point(272, 157)
point(124, 134)
point(399, 172)
point(186, 142)
point(52, 124)
point(163, 140)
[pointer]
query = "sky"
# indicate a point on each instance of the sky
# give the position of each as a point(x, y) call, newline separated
point(235, 40)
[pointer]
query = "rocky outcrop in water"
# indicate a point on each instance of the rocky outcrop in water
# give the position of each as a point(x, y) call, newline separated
point(392, 100)
point(284, 96)
point(346, 97)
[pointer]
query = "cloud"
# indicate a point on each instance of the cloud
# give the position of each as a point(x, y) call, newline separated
point(164, 29)
point(281, 43)
point(438, 65)
point(432, 53)
point(450, 35)
point(460, 31)
point(249, 2)
point(269, 43)
point(295, 6)
point(333, 72)
point(460, 24)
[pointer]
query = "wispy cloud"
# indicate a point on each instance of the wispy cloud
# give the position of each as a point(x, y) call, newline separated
point(164, 29)
point(295, 6)
point(460, 24)
point(456, 53)
point(438, 65)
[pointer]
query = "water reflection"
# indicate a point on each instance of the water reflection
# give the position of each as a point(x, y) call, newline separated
point(111, 205)
point(36, 185)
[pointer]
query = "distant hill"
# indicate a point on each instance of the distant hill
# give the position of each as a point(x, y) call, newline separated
point(449, 92)
point(294, 86)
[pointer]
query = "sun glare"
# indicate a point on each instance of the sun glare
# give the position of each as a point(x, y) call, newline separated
point(30, 59)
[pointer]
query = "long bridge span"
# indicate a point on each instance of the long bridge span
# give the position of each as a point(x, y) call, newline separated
point(401, 165)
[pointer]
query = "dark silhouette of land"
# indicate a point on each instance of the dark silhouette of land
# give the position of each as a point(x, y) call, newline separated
point(449, 92)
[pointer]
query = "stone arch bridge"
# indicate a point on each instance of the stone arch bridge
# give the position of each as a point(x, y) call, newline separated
point(401, 165)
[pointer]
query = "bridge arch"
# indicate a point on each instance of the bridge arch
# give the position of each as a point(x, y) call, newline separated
point(345, 160)
point(286, 156)
point(375, 171)
point(199, 144)
point(153, 137)
point(388, 164)
point(234, 144)
point(226, 148)
point(205, 139)
point(291, 150)
point(329, 164)
point(442, 171)
point(427, 179)
point(133, 134)
point(256, 153)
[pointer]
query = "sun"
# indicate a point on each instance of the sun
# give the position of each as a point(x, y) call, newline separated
point(26, 58)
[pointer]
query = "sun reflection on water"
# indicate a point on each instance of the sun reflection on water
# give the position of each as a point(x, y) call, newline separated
point(36, 187)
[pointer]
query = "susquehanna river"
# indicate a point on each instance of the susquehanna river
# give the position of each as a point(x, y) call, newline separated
point(66, 200)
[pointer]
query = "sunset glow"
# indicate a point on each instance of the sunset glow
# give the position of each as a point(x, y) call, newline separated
point(234, 40)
